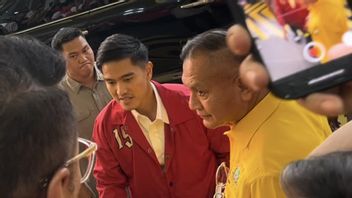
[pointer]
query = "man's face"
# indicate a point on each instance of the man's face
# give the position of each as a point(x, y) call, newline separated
point(79, 59)
point(127, 83)
point(215, 94)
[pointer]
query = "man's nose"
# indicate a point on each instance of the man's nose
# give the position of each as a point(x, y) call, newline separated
point(193, 102)
point(82, 58)
point(120, 89)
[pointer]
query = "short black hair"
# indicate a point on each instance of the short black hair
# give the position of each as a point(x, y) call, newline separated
point(37, 128)
point(44, 64)
point(323, 176)
point(65, 35)
point(119, 46)
point(209, 41)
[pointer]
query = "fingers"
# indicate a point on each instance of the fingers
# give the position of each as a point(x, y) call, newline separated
point(346, 94)
point(337, 101)
point(238, 40)
point(323, 103)
point(253, 74)
point(332, 104)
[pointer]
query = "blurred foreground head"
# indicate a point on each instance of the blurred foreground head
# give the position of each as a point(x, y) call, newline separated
point(324, 176)
point(37, 129)
point(44, 64)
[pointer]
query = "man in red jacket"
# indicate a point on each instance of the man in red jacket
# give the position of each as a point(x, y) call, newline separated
point(150, 144)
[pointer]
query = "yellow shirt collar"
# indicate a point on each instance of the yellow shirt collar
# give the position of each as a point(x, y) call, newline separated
point(248, 125)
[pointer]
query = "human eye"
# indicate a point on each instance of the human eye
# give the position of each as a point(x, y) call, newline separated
point(73, 56)
point(110, 82)
point(128, 79)
point(201, 93)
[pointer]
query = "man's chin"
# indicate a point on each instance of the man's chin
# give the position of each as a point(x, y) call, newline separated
point(127, 107)
point(209, 124)
point(127, 104)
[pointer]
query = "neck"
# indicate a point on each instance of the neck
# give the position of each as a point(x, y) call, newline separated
point(257, 97)
point(89, 83)
point(149, 105)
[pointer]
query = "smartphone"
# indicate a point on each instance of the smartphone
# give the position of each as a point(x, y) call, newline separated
point(292, 39)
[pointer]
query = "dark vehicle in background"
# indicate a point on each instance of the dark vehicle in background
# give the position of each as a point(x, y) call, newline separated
point(163, 25)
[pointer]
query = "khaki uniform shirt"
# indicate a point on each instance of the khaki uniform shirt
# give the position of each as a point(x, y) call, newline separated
point(86, 102)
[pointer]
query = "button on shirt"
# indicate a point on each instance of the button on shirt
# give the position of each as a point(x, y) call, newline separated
point(154, 130)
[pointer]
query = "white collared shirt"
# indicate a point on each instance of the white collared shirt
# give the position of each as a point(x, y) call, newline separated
point(154, 130)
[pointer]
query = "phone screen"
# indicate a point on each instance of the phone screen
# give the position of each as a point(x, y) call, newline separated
point(294, 35)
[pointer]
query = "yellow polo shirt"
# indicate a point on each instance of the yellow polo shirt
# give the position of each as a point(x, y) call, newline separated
point(154, 130)
point(270, 136)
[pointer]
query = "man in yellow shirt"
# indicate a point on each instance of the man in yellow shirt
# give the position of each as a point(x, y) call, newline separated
point(266, 133)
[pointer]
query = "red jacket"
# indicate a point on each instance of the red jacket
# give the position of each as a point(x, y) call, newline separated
point(295, 17)
point(128, 163)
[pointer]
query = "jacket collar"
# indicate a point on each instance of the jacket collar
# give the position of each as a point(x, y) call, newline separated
point(161, 113)
point(176, 106)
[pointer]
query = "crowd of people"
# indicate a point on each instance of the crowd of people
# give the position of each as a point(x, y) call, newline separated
point(76, 125)
point(33, 13)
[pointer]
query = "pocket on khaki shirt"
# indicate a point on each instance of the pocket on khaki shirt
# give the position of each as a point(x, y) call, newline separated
point(82, 115)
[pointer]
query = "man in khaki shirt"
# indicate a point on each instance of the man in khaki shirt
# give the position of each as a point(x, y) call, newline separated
point(87, 101)
point(83, 83)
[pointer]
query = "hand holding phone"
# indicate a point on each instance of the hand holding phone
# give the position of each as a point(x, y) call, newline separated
point(254, 75)
point(293, 46)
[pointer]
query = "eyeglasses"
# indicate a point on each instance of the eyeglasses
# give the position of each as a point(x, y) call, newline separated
point(220, 180)
point(86, 158)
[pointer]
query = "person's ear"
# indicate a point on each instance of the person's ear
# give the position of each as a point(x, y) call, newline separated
point(246, 94)
point(149, 70)
point(60, 184)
